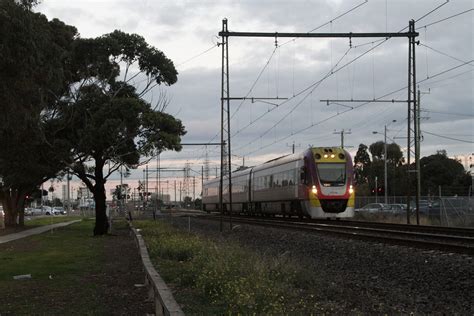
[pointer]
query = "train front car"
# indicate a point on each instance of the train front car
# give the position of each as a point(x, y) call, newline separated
point(329, 180)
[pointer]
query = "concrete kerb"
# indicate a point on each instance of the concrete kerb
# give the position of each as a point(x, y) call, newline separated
point(165, 304)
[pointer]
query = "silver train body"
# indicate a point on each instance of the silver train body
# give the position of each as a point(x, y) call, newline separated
point(316, 183)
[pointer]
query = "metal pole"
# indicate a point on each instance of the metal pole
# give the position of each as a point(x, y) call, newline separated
point(417, 158)
point(146, 185)
point(415, 119)
point(409, 121)
point(385, 165)
point(229, 161)
point(202, 188)
point(159, 182)
point(121, 190)
point(221, 181)
point(68, 209)
point(376, 191)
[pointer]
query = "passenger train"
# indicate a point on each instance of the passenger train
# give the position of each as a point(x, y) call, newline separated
point(316, 183)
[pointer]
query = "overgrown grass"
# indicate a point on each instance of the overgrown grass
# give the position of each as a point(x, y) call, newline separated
point(221, 278)
point(60, 262)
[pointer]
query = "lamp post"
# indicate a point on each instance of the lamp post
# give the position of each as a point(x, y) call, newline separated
point(385, 161)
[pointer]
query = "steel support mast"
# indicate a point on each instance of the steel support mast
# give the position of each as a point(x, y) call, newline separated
point(225, 98)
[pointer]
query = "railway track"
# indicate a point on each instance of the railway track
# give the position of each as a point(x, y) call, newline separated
point(459, 240)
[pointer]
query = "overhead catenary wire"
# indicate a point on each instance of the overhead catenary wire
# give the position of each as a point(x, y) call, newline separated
point(445, 19)
point(448, 113)
point(373, 47)
point(445, 54)
point(450, 138)
point(348, 110)
point(359, 46)
point(197, 55)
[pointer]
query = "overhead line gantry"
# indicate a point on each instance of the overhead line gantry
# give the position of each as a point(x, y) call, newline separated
point(225, 93)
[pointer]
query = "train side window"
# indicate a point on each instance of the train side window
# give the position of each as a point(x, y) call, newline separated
point(303, 175)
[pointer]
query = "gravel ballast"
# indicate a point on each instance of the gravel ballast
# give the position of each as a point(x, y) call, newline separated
point(353, 276)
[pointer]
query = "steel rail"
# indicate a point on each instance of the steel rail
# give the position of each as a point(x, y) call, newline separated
point(449, 243)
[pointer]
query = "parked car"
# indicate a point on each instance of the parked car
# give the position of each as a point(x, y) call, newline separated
point(2, 217)
point(59, 210)
point(35, 211)
point(48, 210)
point(398, 208)
point(374, 208)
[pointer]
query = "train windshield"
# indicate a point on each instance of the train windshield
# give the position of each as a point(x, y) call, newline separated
point(332, 173)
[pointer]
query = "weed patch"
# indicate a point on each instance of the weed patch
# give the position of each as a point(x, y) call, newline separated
point(224, 278)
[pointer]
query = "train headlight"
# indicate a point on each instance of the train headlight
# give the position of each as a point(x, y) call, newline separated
point(351, 189)
point(314, 190)
point(332, 155)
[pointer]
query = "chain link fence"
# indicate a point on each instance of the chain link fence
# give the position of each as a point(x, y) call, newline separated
point(444, 210)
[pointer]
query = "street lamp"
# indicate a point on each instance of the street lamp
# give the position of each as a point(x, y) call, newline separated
point(385, 161)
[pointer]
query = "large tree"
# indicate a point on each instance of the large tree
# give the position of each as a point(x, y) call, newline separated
point(33, 73)
point(440, 171)
point(109, 123)
point(361, 165)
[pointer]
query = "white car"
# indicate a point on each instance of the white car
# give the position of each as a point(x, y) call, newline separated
point(59, 210)
point(48, 210)
point(2, 217)
point(374, 208)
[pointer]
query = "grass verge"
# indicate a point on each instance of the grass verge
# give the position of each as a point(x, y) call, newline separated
point(60, 262)
point(212, 277)
point(42, 221)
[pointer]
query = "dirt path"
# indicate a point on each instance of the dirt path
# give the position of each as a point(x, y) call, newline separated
point(122, 272)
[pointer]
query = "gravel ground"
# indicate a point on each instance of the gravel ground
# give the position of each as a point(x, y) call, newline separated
point(363, 277)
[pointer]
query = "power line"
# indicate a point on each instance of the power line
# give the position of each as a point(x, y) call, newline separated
point(445, 54)
point(447, 18)
point(451, 138)
point(255, 82)
point(355, 107)
point(435, 9)
point(448, 113)
point(196, 56)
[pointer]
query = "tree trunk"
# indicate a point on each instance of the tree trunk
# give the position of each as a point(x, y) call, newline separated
point(13, 205)
point(101, 221)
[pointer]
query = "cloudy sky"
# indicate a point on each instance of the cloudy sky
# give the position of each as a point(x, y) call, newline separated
point(300, 71)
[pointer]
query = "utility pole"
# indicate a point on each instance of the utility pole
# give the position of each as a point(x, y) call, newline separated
point(202, 187)
point(376, 190)
point(292, 147)
point(342, 132)
point(121, 190)
point(417, 158)
point(385, 163)
point(385, 158)
point(68, 209)
point(146, 185)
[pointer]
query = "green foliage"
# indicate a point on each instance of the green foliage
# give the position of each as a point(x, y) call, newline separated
point(361, 165)
point(226, 278)
point(33, 63)
point(377, 149)
point(439, 170)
